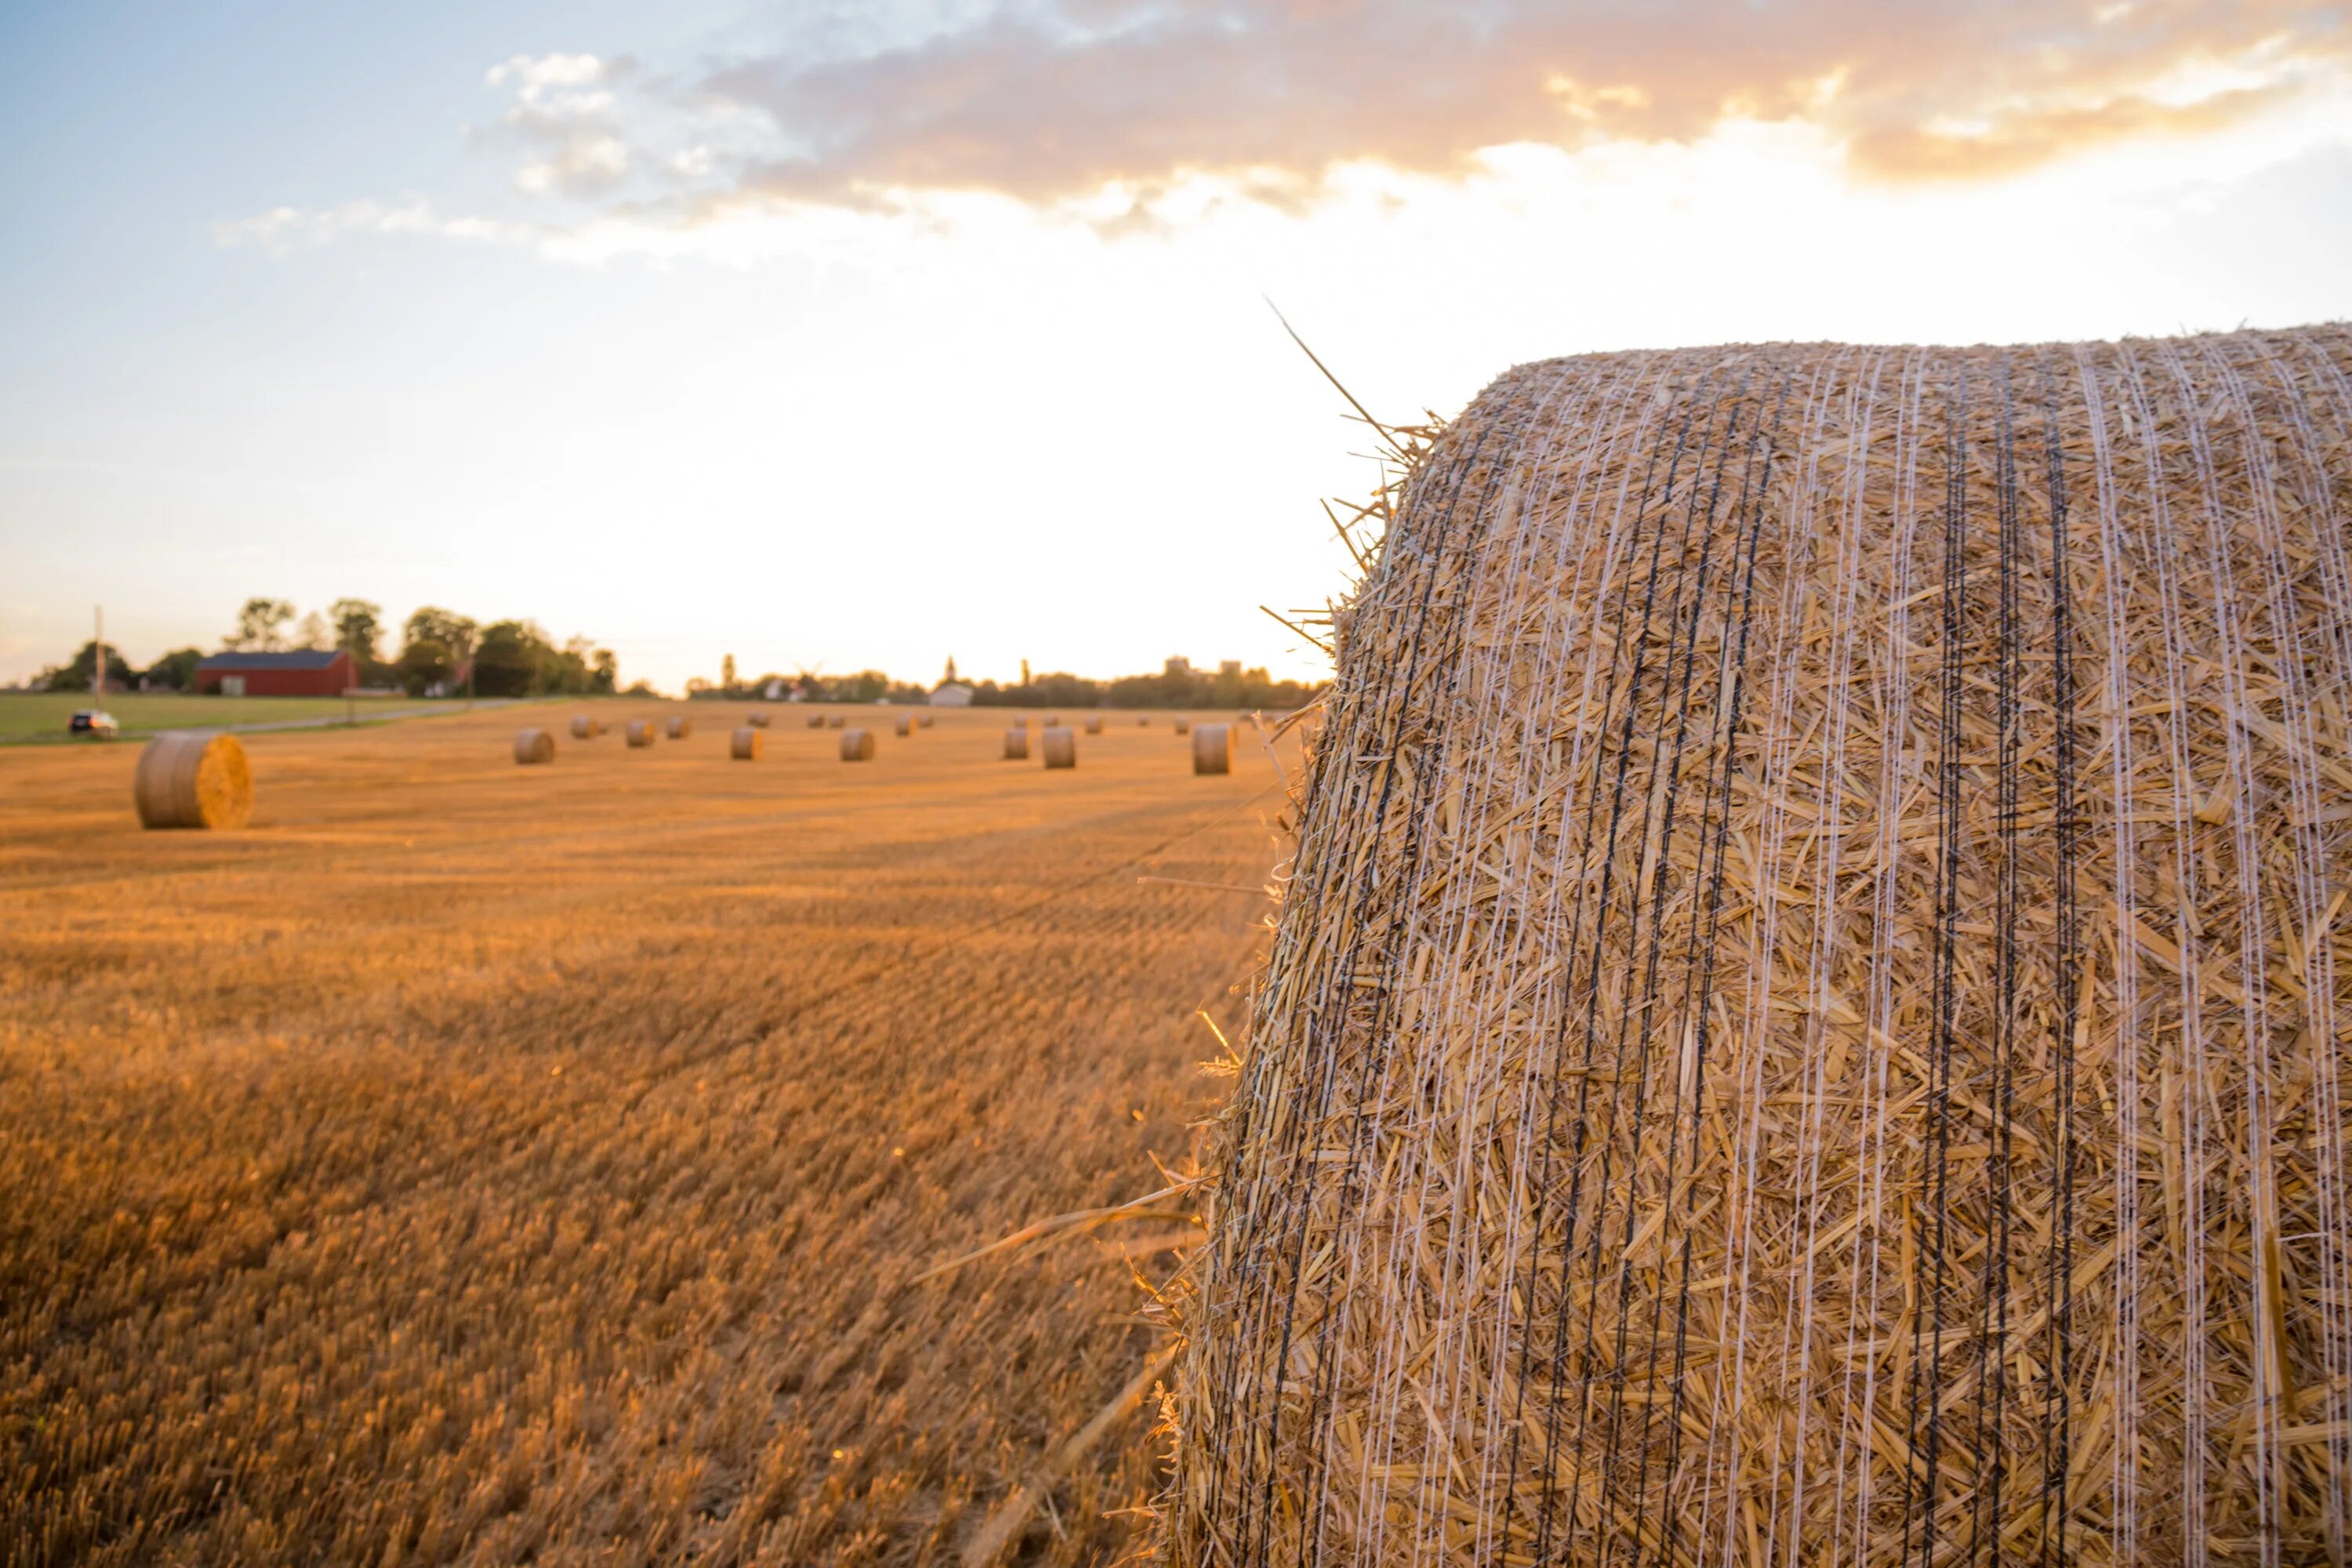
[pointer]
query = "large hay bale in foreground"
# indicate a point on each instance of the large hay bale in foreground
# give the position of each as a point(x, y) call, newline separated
point(191, 779)
point(533, 746)
point(640, 733)
point(1060, 746)
point(743, 746)
point(1016, 744)
point(1809, 1022)
point(1213, 749)
point(857, 745)
point(679, 727)
point(584, 728)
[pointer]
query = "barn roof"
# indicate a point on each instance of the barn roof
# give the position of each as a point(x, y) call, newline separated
point(300, 659)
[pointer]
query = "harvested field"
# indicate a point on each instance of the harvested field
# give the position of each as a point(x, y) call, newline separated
point(473, 1162)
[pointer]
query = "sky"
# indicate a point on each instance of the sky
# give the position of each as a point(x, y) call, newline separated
point(864, 335)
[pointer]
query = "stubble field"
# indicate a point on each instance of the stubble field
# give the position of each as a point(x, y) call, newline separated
point(469, 1162)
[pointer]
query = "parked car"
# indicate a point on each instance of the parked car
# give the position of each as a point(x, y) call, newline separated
point(92, 722)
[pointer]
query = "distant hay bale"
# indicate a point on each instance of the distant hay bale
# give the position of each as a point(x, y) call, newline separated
point(816, 720)
point(584, 728)
point(1050, 723)
point(533, 746)
point(926, 721)
point(1142, 721)
point(857, 745)
point(1810, 1018)
point(640, 733)
point(1183, 726)
point(1061, 746)
point(743, 746)
point(837, 720)
point(756, 718)
point(679, 727)
point(1213, 749)
point(193, 780)
point(1016, 744)
point(1094, 723)
point(904, 726)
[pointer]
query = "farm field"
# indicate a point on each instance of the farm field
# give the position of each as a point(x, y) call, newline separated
point(42, 715)
point(470, 1163)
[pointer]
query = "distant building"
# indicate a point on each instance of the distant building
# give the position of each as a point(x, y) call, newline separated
point(952, 694)
point(305, 672)
point(1180, 667)
point(1231, 669)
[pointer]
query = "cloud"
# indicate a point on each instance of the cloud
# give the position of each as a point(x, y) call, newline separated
point(283, 229)
point(1053, 101)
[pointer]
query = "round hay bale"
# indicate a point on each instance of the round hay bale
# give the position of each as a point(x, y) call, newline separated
point(1050, 723)
point(1061, 746)
point(906, 726)
point(584, 728)
point(1094, 723)
point(533, 746)
point(1143, 721)
point(640, 733)
point(1809, 1019)
point(743, 746)
point(837, 720)
point(679, 727)
point(756, 720)
point(816, 720)
point(1183, 726)
point(926, 721)
point(1016, 744)
point(857, 745)
point(1213, 749)
point(187, 779)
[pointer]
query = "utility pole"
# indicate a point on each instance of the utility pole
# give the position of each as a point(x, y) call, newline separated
point(98, 665)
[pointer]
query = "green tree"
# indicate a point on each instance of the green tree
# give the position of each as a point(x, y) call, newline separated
point(261, 625)
point(176, 671)
point(606, 671)
point(76, 673)
point(359, 627)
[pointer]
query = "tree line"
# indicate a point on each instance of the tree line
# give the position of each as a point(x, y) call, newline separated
point(508, 658)
point(1240, 689)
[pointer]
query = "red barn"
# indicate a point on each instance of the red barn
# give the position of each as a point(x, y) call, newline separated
point(306, 672)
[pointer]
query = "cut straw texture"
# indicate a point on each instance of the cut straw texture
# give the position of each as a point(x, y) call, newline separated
point(533, 746)
point(640, 733)
point(193, 780)
point(1808, 1024)
point(1213, 749)
point(743, 745)
point(1059, 745)
point(1016, 744)
point(857, 745)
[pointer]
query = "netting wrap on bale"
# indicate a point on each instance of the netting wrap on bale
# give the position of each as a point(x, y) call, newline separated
point(1808, 1021)
point(193, 779)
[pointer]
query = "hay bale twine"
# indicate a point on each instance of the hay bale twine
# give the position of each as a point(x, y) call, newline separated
point(640, 733)
point(1061, 746)
point(743, 746)
point(188, 779)
point(905, 725)
point(756, 720)
point(857, 745)
point(584, 728)
point(1799, 1028)
point(1183, 726)
point(533, 746)
point(679, 727)
point(1016, 744)
point(1094, 723)
point(1213, 749)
